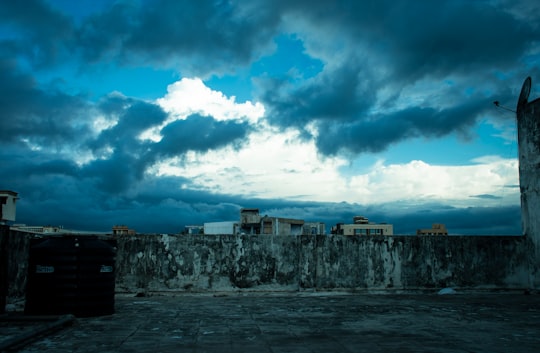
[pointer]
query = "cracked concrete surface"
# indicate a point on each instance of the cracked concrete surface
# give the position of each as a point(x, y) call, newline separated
point(308, 322)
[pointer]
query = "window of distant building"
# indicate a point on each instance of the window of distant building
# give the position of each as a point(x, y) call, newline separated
point(361, 232)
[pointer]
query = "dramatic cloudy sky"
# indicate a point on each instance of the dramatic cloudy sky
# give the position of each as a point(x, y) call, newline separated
point(163, 113)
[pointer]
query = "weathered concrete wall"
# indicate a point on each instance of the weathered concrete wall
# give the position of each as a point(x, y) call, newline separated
point(528, 118)
point(224, 263)
point(149, 263)
point(202, 263)
point(16, 262)
point(4, 237)
point(422, 262)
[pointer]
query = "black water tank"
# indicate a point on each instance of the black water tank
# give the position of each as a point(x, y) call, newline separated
point(71, 275)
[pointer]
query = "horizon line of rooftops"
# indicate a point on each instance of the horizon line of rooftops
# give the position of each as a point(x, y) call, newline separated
point(252, 223)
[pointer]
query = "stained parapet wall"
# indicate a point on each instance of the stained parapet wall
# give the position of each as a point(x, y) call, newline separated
point(224, 263)
point(195, 263)
point(528, 126)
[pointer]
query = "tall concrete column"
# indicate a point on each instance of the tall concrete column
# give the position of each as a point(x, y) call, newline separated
point(528, 124)
point(4, 264)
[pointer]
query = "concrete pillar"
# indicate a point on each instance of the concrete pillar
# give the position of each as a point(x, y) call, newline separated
point(528, 124)
point(4, 264)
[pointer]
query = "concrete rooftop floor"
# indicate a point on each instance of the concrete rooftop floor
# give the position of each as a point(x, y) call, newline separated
point(301, 322)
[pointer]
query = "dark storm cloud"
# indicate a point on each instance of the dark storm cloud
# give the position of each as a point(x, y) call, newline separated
point(53, 166)
point(198, 133)
point(123, 155)
point(202, 36)
point(378, 49)
point(131, 156)
point(116, 174)
point(383, 45)
point(157, 205)
point(338, 96)
point(424, 37)
point(51, 121)
point(338, 106)
point(138, 117)
point(196, 38)
point(42, 32)
point(28, 111)
point(487, 197)
point(133, 118)
point(106, 192)
point(430, 38)
point(503, 220)
point(410, 39)
point(371, 49)
point(376, 133)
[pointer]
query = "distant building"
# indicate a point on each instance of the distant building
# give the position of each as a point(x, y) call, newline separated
point(53, 230)
point(436, 229)
point(217, 228)
point(194, 229)
point(281, 226)
point(251, 222)
point(314, 228)
point(38, 229)
point(122, 230)
point(8, 200)
point(362, 226)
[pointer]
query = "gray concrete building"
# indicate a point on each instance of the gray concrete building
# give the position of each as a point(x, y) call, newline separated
point(251, 222)
point(436, 229)
point(8, 207)
point(362, 226)
point(225, 228)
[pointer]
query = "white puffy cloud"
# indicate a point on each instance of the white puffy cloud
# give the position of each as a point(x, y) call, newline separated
point(271, 165)
point(488, 180)
point(191, 96)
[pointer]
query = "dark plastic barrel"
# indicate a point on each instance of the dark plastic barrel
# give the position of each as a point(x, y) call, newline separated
point(71, 275)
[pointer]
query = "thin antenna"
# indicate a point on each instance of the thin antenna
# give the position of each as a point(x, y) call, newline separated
point(497, 104)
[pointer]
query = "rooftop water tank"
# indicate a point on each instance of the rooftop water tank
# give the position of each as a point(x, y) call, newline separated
point(360, 220)
point(71, 275)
